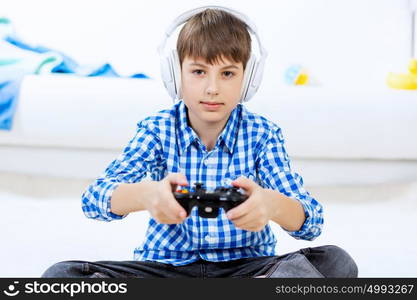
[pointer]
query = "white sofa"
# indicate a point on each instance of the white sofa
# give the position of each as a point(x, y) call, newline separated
point(74, 126)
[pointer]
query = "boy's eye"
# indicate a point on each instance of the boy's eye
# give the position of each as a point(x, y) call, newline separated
point(228, 73)
point(198, 72)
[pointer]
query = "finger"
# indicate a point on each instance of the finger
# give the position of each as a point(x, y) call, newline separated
point(170, 205)
point(240, 210)
point(176, 179)
point(164, 218)
point(180, 212)
point(245, 219)
point(169, 217)
point(249, 223)
point(244, 183)
point(176, 210)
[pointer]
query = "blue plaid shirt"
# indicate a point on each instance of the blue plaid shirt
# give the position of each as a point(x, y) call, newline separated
point(164, 143)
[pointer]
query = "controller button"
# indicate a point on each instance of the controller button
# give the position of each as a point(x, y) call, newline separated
point(208, 209)
point(198, 186)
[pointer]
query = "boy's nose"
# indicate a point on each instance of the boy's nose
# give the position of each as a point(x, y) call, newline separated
point(212, 87)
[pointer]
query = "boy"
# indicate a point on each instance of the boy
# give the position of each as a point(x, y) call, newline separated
point(209, 137)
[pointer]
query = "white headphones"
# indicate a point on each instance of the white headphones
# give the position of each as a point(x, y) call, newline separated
point(171, 69)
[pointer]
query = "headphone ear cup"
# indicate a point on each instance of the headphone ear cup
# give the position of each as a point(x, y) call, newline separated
point(247, 79)
point(176, 71)
point(166, 73)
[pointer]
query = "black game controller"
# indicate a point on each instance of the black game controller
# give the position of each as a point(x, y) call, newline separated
point(209, 202)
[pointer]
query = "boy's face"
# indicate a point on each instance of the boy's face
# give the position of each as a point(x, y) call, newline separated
point(210, 92)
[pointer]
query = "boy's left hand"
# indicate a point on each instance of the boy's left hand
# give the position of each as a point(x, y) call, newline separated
point(257, 210)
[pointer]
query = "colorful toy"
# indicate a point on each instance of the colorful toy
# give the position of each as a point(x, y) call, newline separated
point(404, 81)
point(296, 75)
point(412, 67)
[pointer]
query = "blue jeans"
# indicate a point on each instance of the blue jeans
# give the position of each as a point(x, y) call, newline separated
point(323, 261)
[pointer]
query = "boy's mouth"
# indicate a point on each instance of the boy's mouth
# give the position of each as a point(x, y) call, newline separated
point(211, 105)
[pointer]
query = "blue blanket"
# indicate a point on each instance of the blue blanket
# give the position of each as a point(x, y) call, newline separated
point(18, 58)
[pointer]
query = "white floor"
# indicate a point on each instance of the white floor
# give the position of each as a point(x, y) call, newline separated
point(44, 224)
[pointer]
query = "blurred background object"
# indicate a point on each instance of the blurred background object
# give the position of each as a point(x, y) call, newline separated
point(407, 81)
point(297, 75)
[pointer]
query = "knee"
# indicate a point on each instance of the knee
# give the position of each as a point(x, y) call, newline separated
point(64, 269)
point(343, 264)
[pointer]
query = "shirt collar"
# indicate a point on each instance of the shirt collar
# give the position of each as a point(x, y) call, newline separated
point(186, 135)
point(229, 133)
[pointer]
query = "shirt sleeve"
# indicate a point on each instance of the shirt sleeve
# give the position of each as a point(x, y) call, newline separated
point(131, 166)
point(275, 173)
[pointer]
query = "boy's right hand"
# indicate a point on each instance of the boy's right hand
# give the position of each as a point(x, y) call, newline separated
point(163, 206)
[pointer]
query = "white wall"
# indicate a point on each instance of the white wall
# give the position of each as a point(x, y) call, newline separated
point(341, 42)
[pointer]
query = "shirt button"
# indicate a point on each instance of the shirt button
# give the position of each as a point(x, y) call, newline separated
point(210, 239)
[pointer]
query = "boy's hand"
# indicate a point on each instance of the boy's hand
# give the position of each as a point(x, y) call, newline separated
point(162, 205)
point(257, 210)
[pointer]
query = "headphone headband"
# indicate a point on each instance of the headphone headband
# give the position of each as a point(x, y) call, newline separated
point(181, 19)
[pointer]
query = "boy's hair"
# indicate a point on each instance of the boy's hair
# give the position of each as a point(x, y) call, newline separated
point(213, 34)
